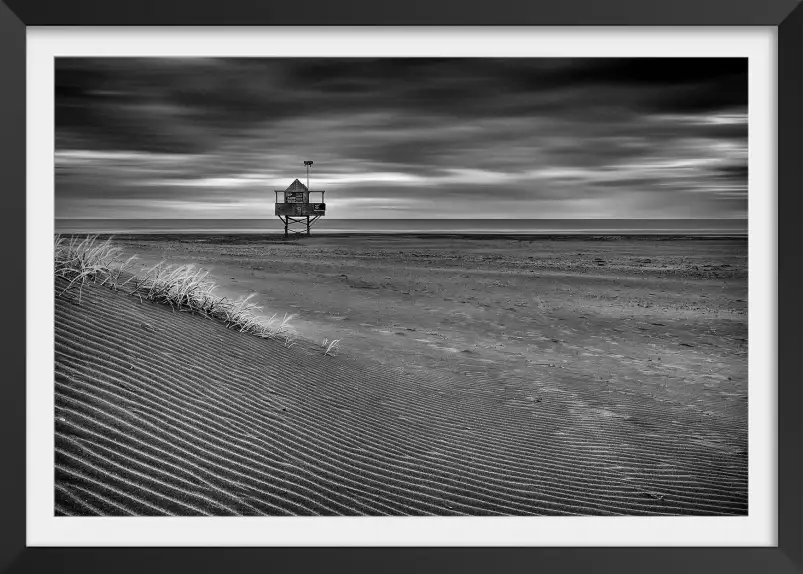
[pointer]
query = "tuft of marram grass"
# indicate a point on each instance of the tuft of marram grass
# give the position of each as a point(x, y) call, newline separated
point(183, 287)
point(186, 288)
point(88, 259)
point(329, 346)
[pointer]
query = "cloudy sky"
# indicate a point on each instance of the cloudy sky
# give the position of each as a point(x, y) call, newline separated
point(403, 138)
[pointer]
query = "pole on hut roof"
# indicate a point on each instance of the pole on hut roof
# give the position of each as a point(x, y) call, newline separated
point(308, 163)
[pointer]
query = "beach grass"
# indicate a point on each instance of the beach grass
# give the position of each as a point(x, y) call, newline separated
point(329, 346)
point(88, 259)
point(182, 287)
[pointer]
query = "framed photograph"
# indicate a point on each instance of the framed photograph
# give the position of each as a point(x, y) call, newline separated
point(549, 309)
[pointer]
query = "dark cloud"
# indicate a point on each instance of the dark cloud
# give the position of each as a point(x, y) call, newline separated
point(610, 133)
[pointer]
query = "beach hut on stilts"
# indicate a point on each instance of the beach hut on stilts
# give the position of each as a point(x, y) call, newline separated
point(296, 210)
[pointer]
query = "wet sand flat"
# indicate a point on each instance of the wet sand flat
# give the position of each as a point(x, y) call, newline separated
point(517, 375)
point(681, 304)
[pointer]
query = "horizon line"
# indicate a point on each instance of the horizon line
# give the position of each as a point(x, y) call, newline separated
point(423, 218)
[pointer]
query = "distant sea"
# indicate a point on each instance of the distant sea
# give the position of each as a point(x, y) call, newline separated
point(696, 227)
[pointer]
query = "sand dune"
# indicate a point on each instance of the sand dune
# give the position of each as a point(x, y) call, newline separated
point(160, 412)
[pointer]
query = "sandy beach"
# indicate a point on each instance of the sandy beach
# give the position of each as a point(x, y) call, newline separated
point(474, 375)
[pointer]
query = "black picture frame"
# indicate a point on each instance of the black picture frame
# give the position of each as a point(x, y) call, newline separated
point(786, 15)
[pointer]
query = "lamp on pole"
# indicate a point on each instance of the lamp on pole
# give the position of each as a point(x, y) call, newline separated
point(308, 163)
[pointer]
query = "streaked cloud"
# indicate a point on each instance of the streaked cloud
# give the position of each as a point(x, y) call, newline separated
point(403, 137)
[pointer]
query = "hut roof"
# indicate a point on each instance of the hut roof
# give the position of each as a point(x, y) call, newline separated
point(297, 186)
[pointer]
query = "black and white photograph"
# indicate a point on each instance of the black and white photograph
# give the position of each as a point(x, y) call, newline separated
point(330, 286)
